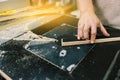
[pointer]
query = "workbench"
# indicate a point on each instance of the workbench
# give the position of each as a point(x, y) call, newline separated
point(101, 63)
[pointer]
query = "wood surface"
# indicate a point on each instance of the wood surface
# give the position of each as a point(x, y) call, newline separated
point(29, 13)
point(72, 43)
point(5, 76)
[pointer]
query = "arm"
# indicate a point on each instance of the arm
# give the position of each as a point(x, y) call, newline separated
point(88, 21)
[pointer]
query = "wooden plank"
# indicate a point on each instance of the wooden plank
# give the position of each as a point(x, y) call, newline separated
point(72, 43)
point(5, 76)
point(30, 13)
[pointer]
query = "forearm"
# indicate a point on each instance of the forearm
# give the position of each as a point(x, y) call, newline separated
point(85, 6)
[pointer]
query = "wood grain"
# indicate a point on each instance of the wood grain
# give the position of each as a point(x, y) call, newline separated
point(5, 76)
point(72, 43)
point(27, 14)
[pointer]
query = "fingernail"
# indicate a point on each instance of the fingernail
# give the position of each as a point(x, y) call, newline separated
point(108, 34)
point(92, 42)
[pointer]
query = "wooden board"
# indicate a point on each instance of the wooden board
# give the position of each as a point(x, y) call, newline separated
point(81, 42)
point(30, 13)
point(4, 76)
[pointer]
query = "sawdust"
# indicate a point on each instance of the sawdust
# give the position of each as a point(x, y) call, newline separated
point(63, 53)
point(72, 66)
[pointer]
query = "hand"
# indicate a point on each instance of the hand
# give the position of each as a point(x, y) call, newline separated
point(89, 22)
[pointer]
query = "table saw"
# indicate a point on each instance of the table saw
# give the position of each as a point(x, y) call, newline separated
point(19, 63)
point(27, 51)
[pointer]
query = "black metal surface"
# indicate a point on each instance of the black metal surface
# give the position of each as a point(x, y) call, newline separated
point(55, 23)
point(65, 58)
point(97, 62)
point(51, 52)
point(115, 72)
point(19, 64)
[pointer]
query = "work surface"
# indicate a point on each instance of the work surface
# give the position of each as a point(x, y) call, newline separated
point(65, 58)
point(101, 63)
point(22, 65)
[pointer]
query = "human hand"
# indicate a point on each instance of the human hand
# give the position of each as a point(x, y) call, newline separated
point(89, 22)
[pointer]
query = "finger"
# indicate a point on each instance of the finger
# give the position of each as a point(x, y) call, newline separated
point(86, 31)
point(93, 33)
point(103, 30)
point(80, 31)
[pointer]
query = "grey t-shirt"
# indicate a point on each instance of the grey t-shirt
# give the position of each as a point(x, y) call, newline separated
point(108, 11)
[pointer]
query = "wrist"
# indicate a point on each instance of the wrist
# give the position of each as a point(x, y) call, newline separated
point(87, 11)
point(85, 6)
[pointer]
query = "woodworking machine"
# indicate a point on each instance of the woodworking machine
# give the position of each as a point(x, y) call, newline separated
point(31, 32)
